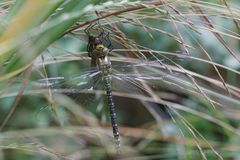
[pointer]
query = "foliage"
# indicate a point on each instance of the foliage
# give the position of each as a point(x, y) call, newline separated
point(175, 80)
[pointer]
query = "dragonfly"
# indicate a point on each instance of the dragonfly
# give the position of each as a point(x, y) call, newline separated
point(119, 76)
point(100, 64)
point(99, 56)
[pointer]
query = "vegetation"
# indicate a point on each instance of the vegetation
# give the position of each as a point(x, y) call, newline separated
point(175, 80)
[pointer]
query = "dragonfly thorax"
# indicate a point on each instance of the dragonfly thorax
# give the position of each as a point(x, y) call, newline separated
point(104, 65)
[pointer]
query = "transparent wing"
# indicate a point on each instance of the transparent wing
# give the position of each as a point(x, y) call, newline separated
point(74, 82)
point(132, 78)
point(126, 78)
point(140, 79)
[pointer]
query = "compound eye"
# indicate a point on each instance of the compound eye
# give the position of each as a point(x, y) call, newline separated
point(97, 41)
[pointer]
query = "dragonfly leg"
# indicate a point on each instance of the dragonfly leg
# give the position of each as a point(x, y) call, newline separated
point(107, 39)
point(88, 28)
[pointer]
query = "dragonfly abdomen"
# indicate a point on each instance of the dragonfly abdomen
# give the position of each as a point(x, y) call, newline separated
point(112, 109)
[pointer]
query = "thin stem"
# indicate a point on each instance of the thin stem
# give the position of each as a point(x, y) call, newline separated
point(155, 3)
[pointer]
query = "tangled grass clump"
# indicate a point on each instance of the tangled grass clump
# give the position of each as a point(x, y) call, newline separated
point(175, 80)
